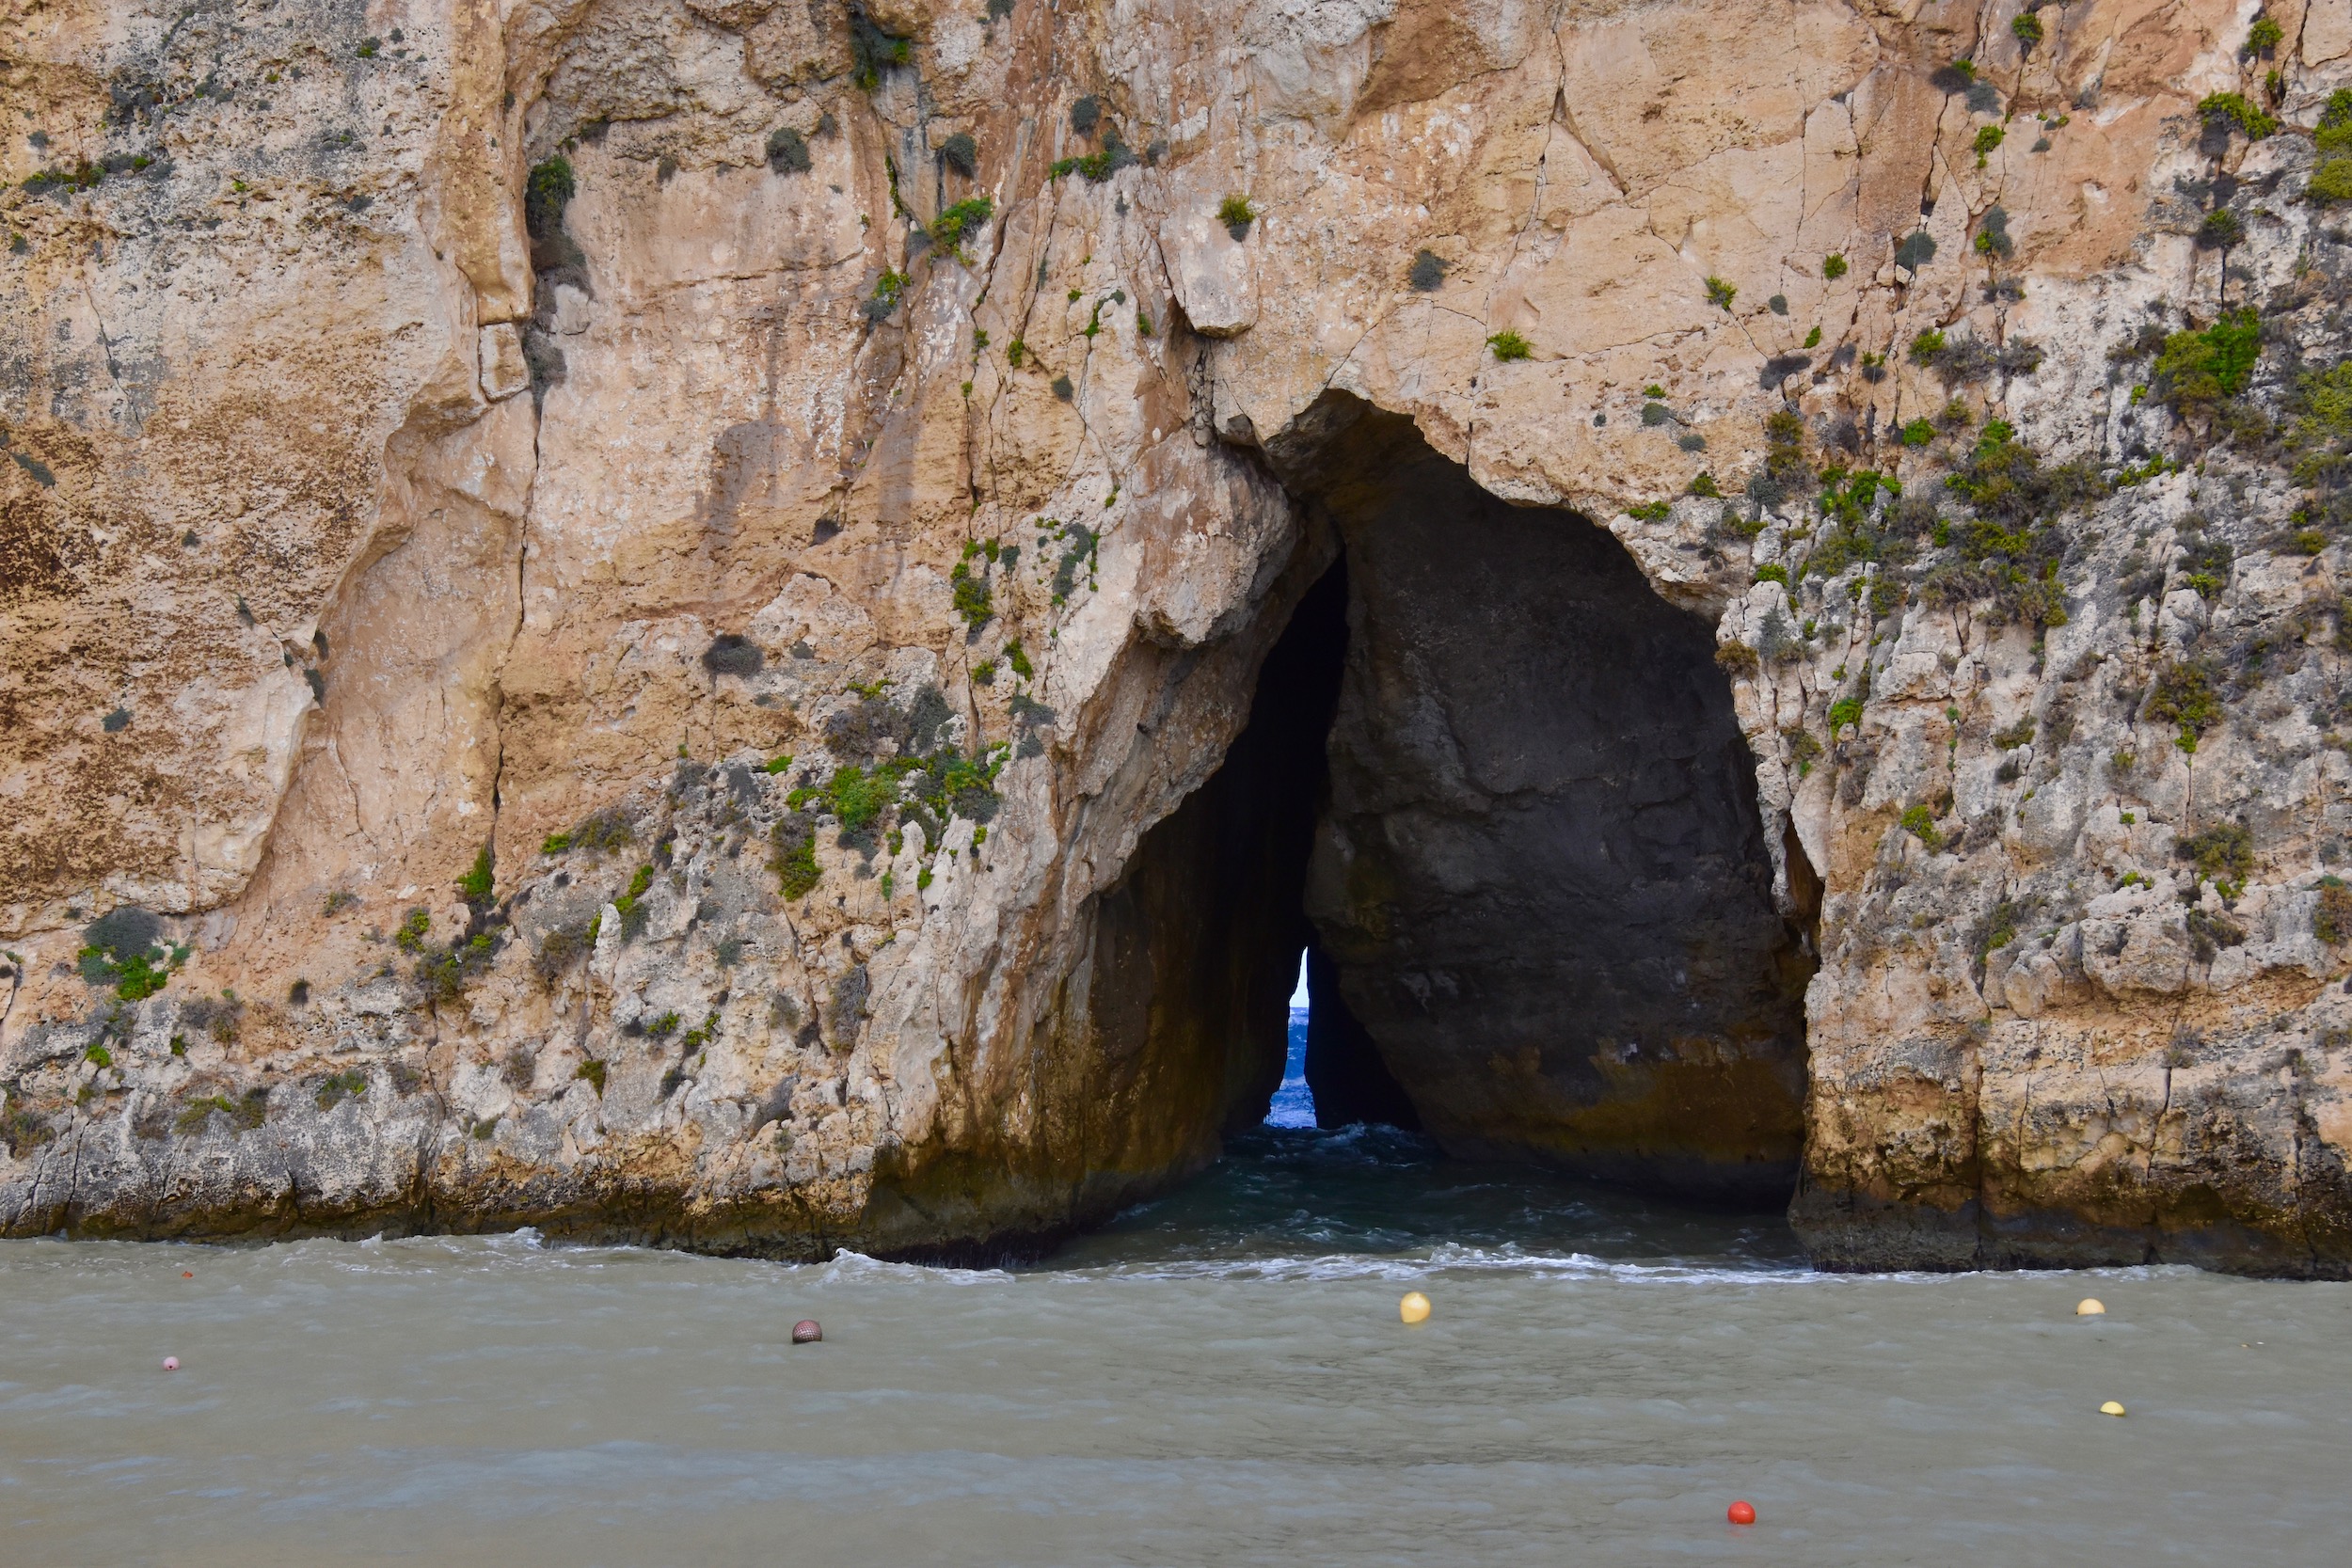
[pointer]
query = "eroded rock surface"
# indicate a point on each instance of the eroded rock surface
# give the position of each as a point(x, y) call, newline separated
point(457, 454)
point(1541, 874)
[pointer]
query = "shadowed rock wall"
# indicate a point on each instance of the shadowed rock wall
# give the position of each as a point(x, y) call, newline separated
point(1542, 877)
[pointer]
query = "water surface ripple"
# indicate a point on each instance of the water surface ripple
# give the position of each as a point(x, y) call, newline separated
point(1217, 1378)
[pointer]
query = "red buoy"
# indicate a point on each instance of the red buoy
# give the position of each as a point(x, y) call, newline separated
point(1741, 1514)
point(805, 1331)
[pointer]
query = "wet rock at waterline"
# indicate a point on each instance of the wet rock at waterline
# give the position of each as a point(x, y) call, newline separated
point(641, 638)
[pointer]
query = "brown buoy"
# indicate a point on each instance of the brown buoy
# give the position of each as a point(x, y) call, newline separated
point(805, 1331)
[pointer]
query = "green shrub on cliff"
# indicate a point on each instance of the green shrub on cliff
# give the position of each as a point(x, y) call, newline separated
point(477, 883)
point(444, 975)
point(787, 151)
point(2331, 182)
point(410, 938)
point(973, 599)
point(2223, 854)
point(795, 860)
point(873, 51)
point(889, 289)
point(2182, 694)
point(955, 225)
point(1508, 345)
point(2195, 371)
point(2331, 917)
point(546, 192)
point(2231, 108)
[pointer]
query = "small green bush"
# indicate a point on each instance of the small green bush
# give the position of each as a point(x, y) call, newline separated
point(2027, 27)
point(2224, 853)
point(1237, 214)
point(1650, 512)
point(2220, 230)
point(873, 51)
point(1720, 292)
point(1988, 137)
point(1099, 165)
point(1919, 823)
point(954, 226)
point(545, 194)
point(2331, 182)
point(2233, 107)
point(2182, 694)
point(1845, 711)
point(795, 861)
point(1833, 266)
point(1508, 345)
point(1927, 346)
point(1918, 433)
point(1705, 486)
point(889, 289)
point(2331, 919)
point(335, 1087)
point(2333, 133)
point(2263, 36)
point(1916, 251)
point(787, 151)
point(2195, 371)
point(477, 883)
point(410, 937)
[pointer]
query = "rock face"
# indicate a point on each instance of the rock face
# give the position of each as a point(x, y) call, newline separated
point(1541, 875)
point(671, 619)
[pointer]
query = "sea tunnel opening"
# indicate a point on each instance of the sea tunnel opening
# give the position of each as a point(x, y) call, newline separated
point(1493, 790)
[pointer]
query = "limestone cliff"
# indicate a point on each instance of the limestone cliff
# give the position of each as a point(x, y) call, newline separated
point(629, 615)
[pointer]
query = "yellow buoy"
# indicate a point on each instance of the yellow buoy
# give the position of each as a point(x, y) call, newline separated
point(1414, 1308)
point(2113, 1407)
point(2090, 1306)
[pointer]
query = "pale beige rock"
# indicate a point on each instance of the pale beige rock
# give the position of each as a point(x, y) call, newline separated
point(365, 609)
point(504, 371)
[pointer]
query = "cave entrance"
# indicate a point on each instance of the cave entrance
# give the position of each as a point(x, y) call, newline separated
point(1494, 789)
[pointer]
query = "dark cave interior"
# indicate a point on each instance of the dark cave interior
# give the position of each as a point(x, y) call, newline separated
point(1494, 786)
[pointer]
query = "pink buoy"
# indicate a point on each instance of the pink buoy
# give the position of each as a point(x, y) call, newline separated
point(172, 1363)
point(805, 1331)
